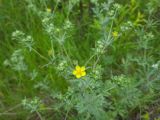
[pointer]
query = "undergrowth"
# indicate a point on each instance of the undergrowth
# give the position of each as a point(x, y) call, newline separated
point(79, 60)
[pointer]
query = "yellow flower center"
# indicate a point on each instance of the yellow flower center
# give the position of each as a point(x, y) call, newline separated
point(115, 34)
point(79, 71)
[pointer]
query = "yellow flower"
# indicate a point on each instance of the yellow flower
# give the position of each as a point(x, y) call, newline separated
point(79, 71)
point(48, 10)
point(50, 52)
point(115, 34)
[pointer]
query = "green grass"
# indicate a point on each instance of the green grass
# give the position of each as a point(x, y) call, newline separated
point(129, 54)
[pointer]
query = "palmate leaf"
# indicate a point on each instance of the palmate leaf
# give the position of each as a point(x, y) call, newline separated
point(91, 104)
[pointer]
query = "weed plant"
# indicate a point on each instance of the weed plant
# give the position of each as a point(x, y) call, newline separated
point(79, 60)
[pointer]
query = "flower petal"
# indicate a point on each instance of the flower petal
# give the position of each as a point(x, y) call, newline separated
point(74, 72)
point(83, 68)
point(78, 76)
point(84, 73)
point(78, 67)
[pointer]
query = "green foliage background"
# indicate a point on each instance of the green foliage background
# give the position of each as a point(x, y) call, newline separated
point(132, 54)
